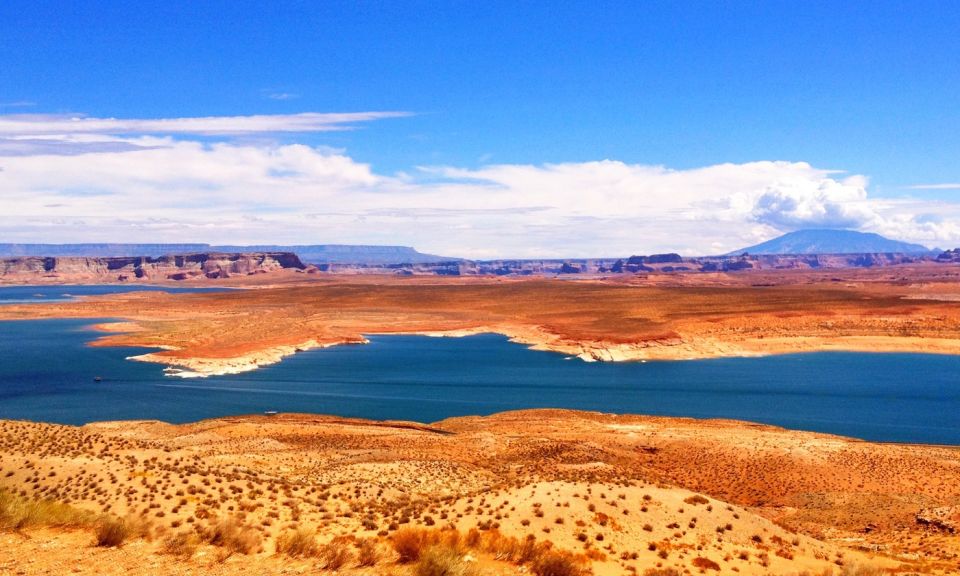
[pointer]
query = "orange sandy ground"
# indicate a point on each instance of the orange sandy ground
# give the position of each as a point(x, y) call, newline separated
point(619, 488)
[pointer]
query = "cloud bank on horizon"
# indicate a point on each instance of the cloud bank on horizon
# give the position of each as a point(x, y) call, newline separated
point(79, 179)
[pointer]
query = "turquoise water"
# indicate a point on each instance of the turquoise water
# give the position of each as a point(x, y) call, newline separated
point(47, 374)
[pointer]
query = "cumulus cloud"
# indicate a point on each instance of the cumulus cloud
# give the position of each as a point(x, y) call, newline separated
point(810, 202)
point(160, 188)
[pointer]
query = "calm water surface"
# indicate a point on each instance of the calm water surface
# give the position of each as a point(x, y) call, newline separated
point(40, 294)
point(47, 373)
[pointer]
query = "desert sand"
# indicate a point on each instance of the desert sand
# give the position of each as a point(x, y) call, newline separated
point(618, 494)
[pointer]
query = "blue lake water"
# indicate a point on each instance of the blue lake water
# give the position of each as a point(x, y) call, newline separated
point(39, 294)
point(47, 374)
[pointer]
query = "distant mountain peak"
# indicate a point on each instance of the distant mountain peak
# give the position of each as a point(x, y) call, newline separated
point(831, 241)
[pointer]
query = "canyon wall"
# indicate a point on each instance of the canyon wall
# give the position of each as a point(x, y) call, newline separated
point(212, 265)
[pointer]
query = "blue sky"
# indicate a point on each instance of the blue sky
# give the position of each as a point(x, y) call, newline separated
point(869, 89)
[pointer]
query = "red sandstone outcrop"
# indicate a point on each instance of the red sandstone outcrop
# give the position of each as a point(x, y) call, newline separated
point(131, 269)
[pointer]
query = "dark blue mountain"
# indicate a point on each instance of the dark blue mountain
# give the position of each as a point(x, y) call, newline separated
point(832, 242)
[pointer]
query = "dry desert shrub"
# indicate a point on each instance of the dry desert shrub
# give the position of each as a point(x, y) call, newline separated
point(335, 554)
point(111, 532)
point(442, 560)
point(232, 535)
point(182, 545)
point(298, 543)
point(409, 544)
point(661, 572)
point(138, 527)
point(510, 549)
point(556, 563)
point(367, 554)
point(705, 564)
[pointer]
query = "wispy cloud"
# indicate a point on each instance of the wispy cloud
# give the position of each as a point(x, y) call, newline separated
point(24, 146)
point(18, 104)
point(42, 124)
point(282, 96)
point(943, 186)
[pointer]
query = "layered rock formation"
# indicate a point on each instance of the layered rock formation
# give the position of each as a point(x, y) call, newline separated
point(655, 263)
point(949, 256)
point(144, 268)
point(309, 253)
point(217, 265)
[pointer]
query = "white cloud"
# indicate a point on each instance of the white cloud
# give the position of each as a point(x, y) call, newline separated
point(147, 189)
point(45, 124)
point(282, 96)
point(798, 202)
point(944, 186)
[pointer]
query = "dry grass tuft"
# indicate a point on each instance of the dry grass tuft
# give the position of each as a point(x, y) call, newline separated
point(298, 543)
point(17, 513)
point(367, 553)
point(442, 560)
point(232, 535)
point(335, 554)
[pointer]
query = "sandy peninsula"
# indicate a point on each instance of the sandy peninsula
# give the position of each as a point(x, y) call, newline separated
point(666, 317)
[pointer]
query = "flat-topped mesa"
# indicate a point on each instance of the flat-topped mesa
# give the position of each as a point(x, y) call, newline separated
point(176, 267)
point(637, 264)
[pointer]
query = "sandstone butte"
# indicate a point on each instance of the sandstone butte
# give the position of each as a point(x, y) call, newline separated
point(669, 316)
